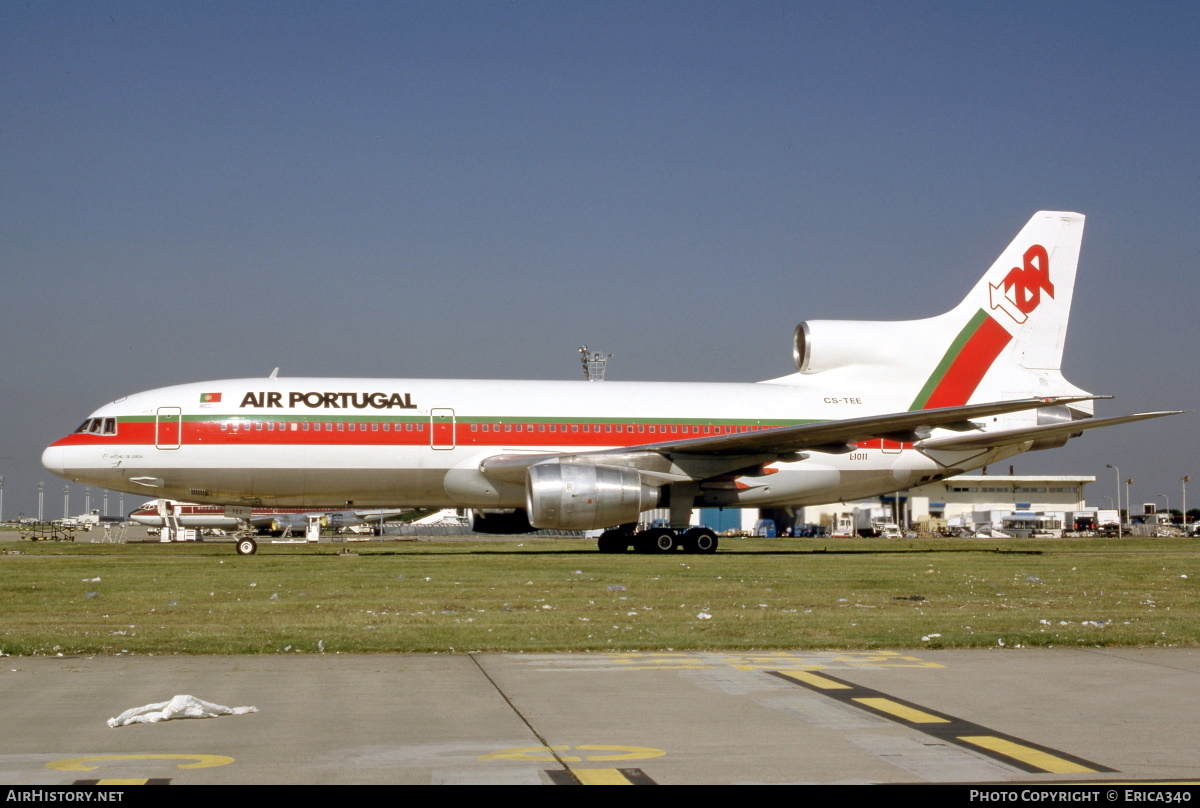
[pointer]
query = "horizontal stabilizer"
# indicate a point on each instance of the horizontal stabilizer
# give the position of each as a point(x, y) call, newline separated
point(1008, 437)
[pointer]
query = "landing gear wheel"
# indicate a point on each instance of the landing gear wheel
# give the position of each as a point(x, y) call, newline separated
point(700, 540)
point(657, 540)
point(247, 547)
point(613, 541)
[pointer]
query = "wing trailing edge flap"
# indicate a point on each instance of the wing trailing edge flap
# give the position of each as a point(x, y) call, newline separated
point(747, 452)
point(1008, 437)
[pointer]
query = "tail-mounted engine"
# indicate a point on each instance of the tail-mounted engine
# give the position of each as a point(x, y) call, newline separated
point(566, 496)
point(821, 345)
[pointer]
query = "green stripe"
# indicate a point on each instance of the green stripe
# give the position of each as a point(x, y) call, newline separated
point(952, 353)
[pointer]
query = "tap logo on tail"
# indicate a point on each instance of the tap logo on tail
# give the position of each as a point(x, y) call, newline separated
point(1021, 290)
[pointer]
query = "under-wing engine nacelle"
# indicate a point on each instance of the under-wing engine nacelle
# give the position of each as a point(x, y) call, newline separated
point(1046, 416)
point(820, 345)
point(566, 496)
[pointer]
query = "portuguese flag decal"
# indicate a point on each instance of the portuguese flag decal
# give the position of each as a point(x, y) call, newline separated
point(210, 398)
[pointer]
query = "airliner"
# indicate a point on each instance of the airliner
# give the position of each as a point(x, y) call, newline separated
point(266, 521)
point(873, 407)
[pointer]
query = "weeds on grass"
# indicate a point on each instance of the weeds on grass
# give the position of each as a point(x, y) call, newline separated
point(562, 595)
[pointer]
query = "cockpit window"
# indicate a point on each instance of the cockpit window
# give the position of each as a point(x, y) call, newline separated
point(98, 426)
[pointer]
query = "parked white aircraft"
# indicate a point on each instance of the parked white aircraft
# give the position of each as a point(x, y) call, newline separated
point(157, 512)
point(874, 407)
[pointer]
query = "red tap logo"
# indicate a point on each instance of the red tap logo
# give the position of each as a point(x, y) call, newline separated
point(1021, 290)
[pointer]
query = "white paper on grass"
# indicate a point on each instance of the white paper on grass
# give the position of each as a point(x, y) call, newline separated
point(177, 707)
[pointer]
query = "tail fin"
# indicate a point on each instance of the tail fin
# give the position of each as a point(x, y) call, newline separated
point(1014, 322)
point(1005, 340)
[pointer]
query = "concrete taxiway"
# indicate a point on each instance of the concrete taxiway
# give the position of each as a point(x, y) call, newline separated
point(1004, 715)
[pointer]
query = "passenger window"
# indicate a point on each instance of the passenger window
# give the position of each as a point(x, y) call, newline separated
point(224, 426)
point(258, 425)
point(341, 426)
point(303, 426)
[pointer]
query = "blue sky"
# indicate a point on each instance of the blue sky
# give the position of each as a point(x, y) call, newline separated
point(209, 190)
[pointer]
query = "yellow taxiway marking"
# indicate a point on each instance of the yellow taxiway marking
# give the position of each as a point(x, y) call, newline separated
point(601, 777)
point(815, 680)
point(909, 714)
point(1034, 757)
point(1015, 752)
point(81, 764)
point(546, 753)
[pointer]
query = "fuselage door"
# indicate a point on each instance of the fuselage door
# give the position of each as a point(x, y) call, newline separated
point(168, 427)
point(441, 428)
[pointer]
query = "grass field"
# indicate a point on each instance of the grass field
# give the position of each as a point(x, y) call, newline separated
point(537, 595)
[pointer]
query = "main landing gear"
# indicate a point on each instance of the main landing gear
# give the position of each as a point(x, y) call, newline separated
point(657, 540)
point(246, 546)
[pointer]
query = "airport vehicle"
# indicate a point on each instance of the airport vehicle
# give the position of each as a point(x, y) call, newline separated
point(265, 521)
point(873, 407)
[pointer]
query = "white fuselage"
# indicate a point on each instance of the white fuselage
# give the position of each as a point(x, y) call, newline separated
point(330, 443)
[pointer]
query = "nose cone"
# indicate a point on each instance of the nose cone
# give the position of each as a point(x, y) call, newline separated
point(55, 460)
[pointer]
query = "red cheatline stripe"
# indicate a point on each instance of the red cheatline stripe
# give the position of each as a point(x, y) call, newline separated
point(970, 366)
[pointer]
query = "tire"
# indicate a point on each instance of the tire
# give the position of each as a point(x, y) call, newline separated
point(613, 541)
point(665, 540)
point(247, 547)
point(700, 540)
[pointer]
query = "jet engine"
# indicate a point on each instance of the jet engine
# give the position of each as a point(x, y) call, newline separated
point(1059, 414)
point(566, 496)
point(821, 345)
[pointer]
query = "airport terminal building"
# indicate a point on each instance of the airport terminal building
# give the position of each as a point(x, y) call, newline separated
point(969, 500)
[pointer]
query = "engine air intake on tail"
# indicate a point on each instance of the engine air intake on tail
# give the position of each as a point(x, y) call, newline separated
point(821, 345)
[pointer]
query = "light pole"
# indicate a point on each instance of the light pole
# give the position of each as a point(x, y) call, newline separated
point(1, 499)
point(1120, 521)
point(1128, 506)
point(66, 501)
point(41, 492)
point(1183, 481)
point(87, 500)
point(106, 503)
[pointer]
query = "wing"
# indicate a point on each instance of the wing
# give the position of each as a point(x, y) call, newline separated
point(700, 458)
point(1008, 437)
